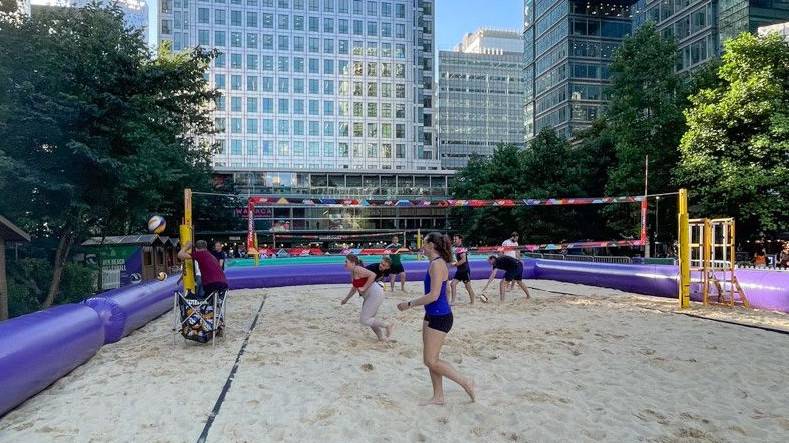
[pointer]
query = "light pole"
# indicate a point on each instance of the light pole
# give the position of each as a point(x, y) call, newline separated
point(657, 222)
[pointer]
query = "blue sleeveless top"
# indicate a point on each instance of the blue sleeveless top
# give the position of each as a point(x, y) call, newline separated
point(441, 305)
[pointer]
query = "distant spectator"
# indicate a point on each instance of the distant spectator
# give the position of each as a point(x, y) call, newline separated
point(511, 246)
point(783, 257)
point(760, 258)
point(219, 254)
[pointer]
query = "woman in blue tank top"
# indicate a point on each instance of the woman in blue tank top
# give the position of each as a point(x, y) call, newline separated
point(438, 317)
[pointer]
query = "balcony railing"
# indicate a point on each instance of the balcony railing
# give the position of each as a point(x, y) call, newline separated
point(350, 192)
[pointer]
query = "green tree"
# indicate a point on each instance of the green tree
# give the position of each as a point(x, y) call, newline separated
point(644, 113)
point(96, 131)
point(548, 168)
point(499, 176)
point(735, 154)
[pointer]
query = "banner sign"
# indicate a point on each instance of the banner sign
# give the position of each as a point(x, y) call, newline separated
point(506, 203)
point(258, 213)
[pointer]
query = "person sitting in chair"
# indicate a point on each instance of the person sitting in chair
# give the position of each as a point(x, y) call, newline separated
point(213, 278)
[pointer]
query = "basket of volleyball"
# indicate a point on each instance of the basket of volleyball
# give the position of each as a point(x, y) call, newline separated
point(156, 224)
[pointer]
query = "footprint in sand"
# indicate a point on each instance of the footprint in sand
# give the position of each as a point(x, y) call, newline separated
point(408, 354)
point(510, 436)
point(368, 367)
point(650, 415)
point(325, 413)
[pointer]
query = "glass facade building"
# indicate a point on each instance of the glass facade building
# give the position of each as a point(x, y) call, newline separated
point(568, 47)
point(332, 183)
point(701, 27)
point(737, 16)
point(315, 84)
point(569, 44)
point(480, 97)
point(692, 23)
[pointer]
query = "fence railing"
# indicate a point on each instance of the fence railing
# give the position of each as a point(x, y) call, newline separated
point(582, 258)
point(749, 265)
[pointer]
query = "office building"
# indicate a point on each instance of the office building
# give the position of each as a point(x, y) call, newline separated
point(568, 45)
point(700, 27)
point(312, 85)
point(321, 98)
point(136, 13)
point(343, 184)
point(480, 96)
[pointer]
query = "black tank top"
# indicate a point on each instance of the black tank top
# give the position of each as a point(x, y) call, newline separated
point(459, 252)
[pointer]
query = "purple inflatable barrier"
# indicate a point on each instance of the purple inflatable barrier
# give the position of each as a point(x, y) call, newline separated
point(765, 289)
point(143, 302)
point(286, 275)
point(301, 274)
point(112, 317)
point(335, 273)
point(642, 279)
point(37, 349)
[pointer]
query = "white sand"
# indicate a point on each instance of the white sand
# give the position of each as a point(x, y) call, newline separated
point(600, 366)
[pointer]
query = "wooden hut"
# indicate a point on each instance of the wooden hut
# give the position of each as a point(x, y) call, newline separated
point(11, 233)
point(134, 257)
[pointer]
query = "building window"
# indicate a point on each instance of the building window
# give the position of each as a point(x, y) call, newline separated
point(283, 127)
point(202, 16)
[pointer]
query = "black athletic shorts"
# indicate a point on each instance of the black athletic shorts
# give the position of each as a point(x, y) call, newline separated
point(441, 323)
point(514, 274)
point(462, 275)
point(396, 268)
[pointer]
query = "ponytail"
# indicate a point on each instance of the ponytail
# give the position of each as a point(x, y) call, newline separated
point(354, 259)
point(442, 244)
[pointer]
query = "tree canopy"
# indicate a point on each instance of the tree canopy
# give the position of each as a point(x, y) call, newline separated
point(735, 154)
point(549, 167)
point(644, 113)
point(95, 131)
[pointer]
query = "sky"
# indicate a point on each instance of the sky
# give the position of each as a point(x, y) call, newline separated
point(455, 18)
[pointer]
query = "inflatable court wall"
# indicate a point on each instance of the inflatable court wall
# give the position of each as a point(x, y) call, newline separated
point(39, 348)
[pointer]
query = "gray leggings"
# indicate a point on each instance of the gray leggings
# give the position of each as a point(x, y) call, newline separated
point(373, 298)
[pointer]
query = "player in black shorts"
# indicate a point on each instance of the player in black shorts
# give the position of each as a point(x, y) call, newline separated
point(381, 269)
point(463, 272)
point(396, 268)
point(513, 271)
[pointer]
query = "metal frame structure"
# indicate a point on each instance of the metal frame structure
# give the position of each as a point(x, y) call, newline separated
point(707, 256)
point(713, 258)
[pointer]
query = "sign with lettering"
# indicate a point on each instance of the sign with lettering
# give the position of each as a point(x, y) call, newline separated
point(259, 213)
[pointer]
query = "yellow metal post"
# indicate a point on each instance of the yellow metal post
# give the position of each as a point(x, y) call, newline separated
point(684, 249)
point(187, 236)
point(256, 254)
point(419, 244)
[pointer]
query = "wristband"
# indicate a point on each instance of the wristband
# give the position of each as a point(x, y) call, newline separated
point(410, 305)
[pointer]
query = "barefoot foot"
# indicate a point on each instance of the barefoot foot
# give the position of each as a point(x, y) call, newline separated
point(471, 389)
point(389, 329)
point(433, 402)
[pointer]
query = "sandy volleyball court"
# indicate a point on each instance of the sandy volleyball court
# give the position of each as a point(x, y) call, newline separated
point(600, 365)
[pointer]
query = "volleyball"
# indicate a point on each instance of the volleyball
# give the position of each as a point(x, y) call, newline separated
point(156, 224)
